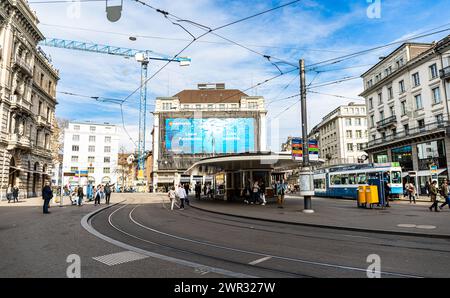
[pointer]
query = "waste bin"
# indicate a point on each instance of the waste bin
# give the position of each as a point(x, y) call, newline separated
point(372, 195)
point(362, 195)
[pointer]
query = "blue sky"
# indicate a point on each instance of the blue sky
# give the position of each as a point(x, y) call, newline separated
point(311, 29)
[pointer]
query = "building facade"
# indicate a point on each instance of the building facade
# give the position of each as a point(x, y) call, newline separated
point(407, 97)
point(27, 101)
point(91, 152)
point(205, 122)
point(342, 135)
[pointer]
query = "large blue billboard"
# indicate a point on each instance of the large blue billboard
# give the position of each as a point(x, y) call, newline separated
point(210, 135)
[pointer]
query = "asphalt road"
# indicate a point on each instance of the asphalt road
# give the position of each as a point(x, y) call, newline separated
point(233, 247)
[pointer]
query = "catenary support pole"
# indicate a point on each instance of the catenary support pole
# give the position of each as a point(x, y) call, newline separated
point(305, 177)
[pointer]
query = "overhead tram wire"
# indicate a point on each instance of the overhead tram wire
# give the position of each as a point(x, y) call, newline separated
point(64, 1)
point(335, 95)
point(196, 38)
point(183, 39)
point(359, 53)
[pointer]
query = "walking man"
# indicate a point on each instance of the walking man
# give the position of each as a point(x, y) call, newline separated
point(281, 190)
point(47, 195)
point(182, 195)
point(411, 192)
point(433, 195)
point(107, 193)
point(262, 190)
point(172, 197)
point(387, 189)
point(16, 194)
point(9, 193)
point(445, 195)
point(80, 194)
point(198, 190)
point(97, 195)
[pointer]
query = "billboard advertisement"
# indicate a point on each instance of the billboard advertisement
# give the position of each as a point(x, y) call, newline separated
point(209, 135)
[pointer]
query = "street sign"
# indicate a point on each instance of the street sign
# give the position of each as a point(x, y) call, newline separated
point(297, 149)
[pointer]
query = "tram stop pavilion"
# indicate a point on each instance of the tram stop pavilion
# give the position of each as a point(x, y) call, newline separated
point(231, 173)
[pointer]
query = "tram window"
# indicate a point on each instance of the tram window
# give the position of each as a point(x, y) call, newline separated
point(344, 179)
point(396, 177)
point(319, 183)
point(336, 180)
point(352, 179)
point(362, 179)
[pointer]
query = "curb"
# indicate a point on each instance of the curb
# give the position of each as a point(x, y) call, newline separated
point(342, 228)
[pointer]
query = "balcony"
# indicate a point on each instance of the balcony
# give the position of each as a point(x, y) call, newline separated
point(17, 141)
point(21, 63)
point(390, 122)
point(17, 102)
point(412, 132)
point(43, 122)
point(445, 73)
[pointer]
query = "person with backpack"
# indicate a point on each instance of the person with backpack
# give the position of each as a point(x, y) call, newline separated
point(281, 190)
point(80, 194)
point(433, 195)
point(411, 188)
point(107, 193)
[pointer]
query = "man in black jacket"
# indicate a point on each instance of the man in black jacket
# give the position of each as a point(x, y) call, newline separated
point(47, 195)
point(107, 192)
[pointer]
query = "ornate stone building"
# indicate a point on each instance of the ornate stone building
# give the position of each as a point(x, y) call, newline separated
point(27, 101)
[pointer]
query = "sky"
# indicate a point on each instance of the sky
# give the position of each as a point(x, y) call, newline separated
point(313, 30)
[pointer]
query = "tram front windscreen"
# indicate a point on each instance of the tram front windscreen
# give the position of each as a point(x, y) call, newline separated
point(209, 135)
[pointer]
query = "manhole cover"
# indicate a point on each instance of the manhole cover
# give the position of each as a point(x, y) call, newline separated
point(406, 226)
point(426, 227)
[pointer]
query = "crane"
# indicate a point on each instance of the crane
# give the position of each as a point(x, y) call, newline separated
point(141, 56)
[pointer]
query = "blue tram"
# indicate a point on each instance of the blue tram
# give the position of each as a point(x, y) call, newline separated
point(343, 181)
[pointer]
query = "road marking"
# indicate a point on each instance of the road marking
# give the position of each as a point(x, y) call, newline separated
point(259, 260)
point(120, 258)
point(426, 227)
point(406, 225)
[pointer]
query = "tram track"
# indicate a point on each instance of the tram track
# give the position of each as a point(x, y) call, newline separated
point(216, 247)
point(245, 224)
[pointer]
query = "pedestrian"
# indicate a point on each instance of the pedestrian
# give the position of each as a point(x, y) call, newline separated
point(107, 193)
point(427, 187)
point(433, 195)
point(187, 188)
point(9, 193)
point(181, 192)
point(97, 195)
point(172, 197)
point(445, 194)
point(281, 190)
point(255, 193)
point(47, 195)
point(15, 194)
point(387, 189)
point(102, 192)
point(80, 194)
point(262, 192)
point(411, 188)
point(198, 190)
